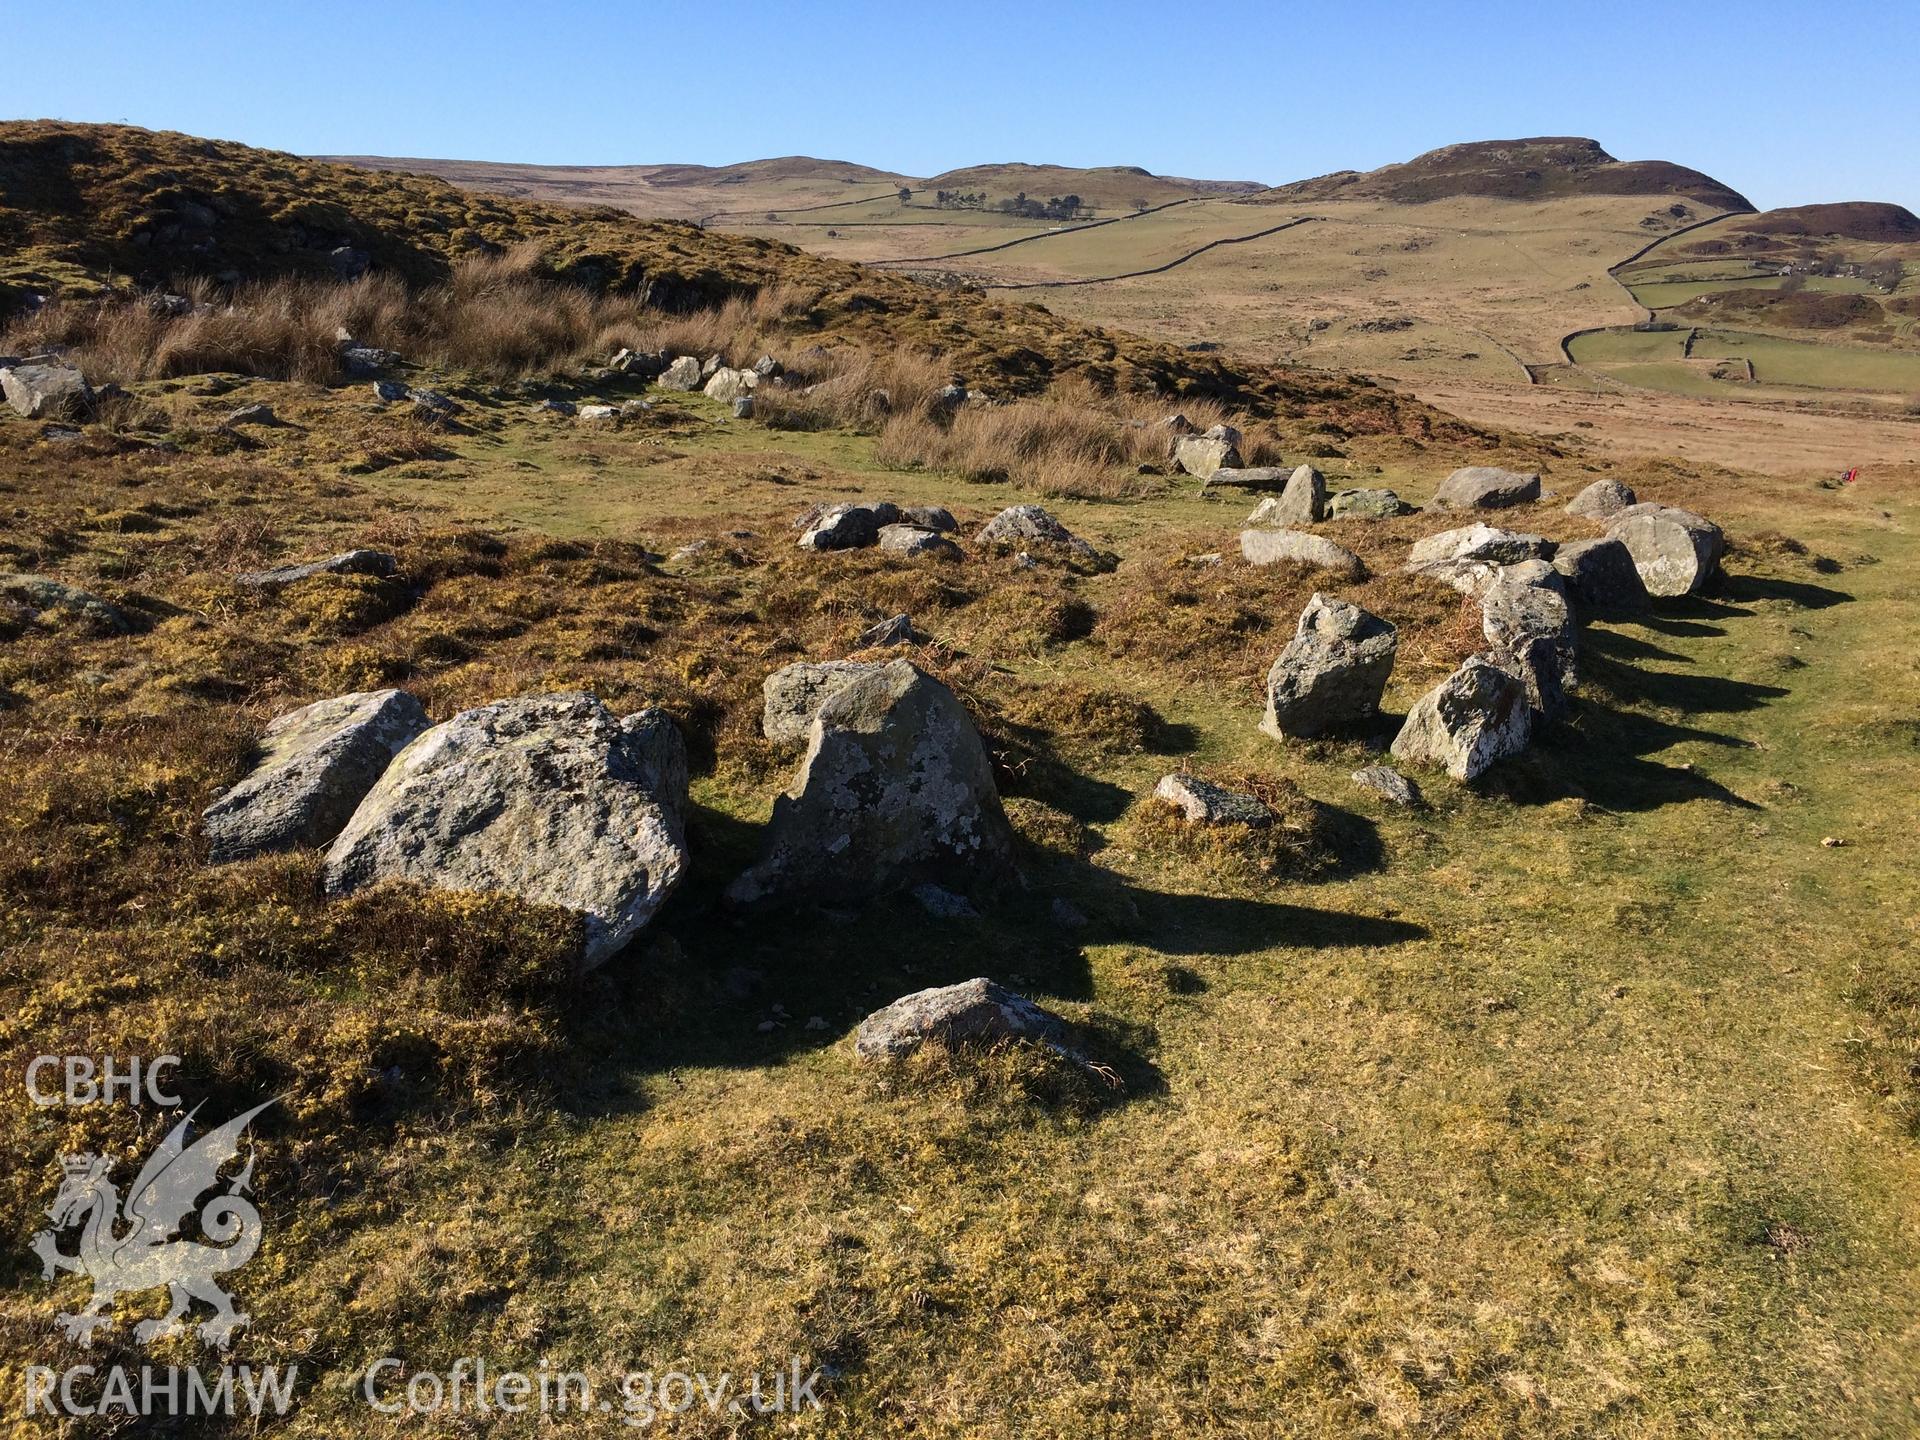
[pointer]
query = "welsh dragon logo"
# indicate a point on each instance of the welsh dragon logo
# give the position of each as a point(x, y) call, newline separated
point(139, 1248)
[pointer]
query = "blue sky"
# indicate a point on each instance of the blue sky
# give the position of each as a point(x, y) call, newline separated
point(1788, 103)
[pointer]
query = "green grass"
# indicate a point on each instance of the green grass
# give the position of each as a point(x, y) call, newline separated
point(1562, 1108)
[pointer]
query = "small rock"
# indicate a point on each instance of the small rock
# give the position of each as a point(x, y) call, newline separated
point(930, 517)
point(974, 1011)
point(363, 362)
point(597, 415)
point(1832, 842)
point(252, 415)
point(847, 527)
point(556, 407)
point(1255, 478)
point(743, 407)
point(768, 368)
point(1602, 500)
point(388, 392)
point(347, 562)
point(943, 904)
point(912, 540)
point(1030, 525)
point(897, 630)
point(1205, 803)
point(1389, 784)
point(56, 605)
point(815, 1022)
point(1366, 505)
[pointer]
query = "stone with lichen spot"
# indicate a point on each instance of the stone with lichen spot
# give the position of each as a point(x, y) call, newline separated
point(973, 1012)
point(1205, 803)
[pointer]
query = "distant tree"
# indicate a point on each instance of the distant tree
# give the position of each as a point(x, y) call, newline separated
point(906, 195)
point(1142, 204)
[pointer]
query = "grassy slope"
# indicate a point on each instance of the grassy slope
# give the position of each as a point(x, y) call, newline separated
point(1566, 1107)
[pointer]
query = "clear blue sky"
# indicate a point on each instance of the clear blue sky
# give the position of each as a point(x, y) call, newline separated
point(1787, 102)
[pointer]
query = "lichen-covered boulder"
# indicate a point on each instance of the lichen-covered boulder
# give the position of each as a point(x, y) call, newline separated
point(975, 1012)
point(1022, 527)
point(1602, 500)
point(729, 384)
point(1302, 501)
point(1471, 558)
point(1389, 784)
point(792, 695)
point(906, 539)
point(1332, 673)
point(1531, 626)
point(1476, 716)
point(682, 374)
point(1295, 547)
point(1485, 487)
point(1676, 551)
point(314, 767)
point(1601, 576)
point(847, 526)
point(895, 789)
point(551, 799)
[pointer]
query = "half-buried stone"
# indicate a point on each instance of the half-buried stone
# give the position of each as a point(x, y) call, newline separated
point(1471, 558)
point(1029, 526)
point(1332, 673)
point(1296, 547)
point(550, 799)
point(847, 527)
point(1602, 500)
point(976, 1012)
point(895, 789)
point(314, 767)
point(1205, 803)
point(376, 563)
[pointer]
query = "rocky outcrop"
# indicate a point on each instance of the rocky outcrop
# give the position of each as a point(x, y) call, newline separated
point(1485, 487)
point(1332, 672)
point(1676, 551)
point(1601, 577)
point(1476, 716)
point(1602, 500)
point(1295, 547)
point(1023, 527)
point(314, 767)
point(895, 789)
point(1204, 803)
point(792, 695)
point(549, 798)
point(975, 1012)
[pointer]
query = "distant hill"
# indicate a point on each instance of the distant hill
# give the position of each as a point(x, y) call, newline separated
point(1101, 186)
point(1541, 168)
point(1867, 220)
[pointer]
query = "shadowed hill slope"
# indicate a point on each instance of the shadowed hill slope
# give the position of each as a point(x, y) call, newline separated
point(1872, 221)
point(1542, 168)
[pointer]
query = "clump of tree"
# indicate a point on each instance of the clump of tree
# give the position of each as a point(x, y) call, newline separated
point(959, 199)
point(1055, 207)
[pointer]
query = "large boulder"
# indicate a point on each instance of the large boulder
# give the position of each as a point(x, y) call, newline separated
point(1485, 487)
point(1601, 576)
point(792, 695)
point(1296, 547)
point(548, 798)
point(348, 562)
point(314, 767)
point(929, 517)
point(1204, 803)
point(46, 392)
point(1471, 558)
point(682, 374)
point(1364, 504)
point(1602, 500)
point(975, 1012)
point(57, 606)
point(1202, 455)
point(1332, 672)
point(895, 789)
point(1676, 551)
point(1476, 716)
